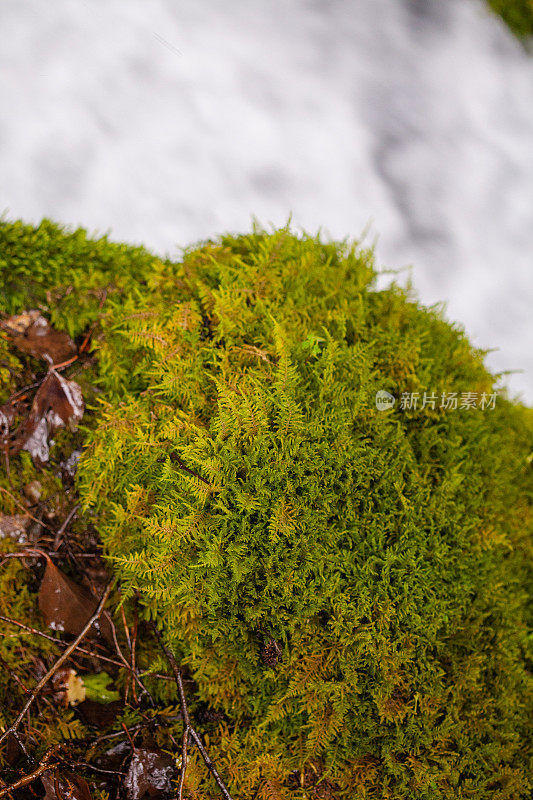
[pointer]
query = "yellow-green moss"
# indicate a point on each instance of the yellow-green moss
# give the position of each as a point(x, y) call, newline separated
point(247, 486)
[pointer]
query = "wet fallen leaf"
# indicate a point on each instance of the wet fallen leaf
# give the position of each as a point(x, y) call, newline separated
point(57, 403)
point(13, 751)
point(65, 786)
point(66, 606)
point(32, 333)
point(150, 775)
point(100, 715)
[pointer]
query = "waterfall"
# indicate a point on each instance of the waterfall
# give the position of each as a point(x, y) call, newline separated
point(168, 122)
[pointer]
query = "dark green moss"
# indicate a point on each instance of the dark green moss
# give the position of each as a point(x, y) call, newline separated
point(249, 489)
point(518, 15)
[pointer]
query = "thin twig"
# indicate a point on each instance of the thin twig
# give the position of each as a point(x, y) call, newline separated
point(23, 507)
point(133, 645)
point(85, 765)
point(84, 345)
point(59, 642)
point(59, 535)
point(92, 653)
point(43, 766)
point(177, 459)
point(70, 649)
point(64, 364)
point(184, 746)
point(25, 389)
point(126, 731)
point(189, 730)
point(125, 662)
point(128, 640)
point(126, 629)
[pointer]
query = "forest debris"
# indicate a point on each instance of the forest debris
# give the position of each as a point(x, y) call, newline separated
point(42, 767)
point(32, 491)
point(100, 715)
point(13, 750)
point(149, 775)
point(85, 651)
point(66, 606)
point(59, 534)
point(68, 687)
point(69, 467)
point(271, 653)
point(13, 728)
point(57, 403)
point(32, 333)
point(65, 786)
point(188, 730)
point(14, 527)
point(7, 415)
point(114, 758)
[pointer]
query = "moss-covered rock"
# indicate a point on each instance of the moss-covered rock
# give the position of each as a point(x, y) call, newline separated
point(518, 14)
point(347, 585)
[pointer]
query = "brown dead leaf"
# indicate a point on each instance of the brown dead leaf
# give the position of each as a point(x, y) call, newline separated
point(13, 751)
point(150, 775)
point(57, 403)
point(65, 786)
point(67, 686)
point(100, 715)
point(32, 333)
point(66, 606)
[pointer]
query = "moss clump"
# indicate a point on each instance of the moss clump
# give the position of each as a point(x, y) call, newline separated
point(518, 15)
point(347, 586)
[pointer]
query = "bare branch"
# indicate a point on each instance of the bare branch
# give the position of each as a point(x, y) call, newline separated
point(43, 766)
point(189, 730)
point(59, 535)
point(92, 653)
point(70, 649)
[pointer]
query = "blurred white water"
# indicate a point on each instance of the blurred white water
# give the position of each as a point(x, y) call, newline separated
point(167, 122)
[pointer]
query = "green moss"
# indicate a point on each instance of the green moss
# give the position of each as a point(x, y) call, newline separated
point(518, 14)
point(249, 489)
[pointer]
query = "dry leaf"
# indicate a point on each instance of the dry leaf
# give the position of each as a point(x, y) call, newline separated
point(75, 689)
point(57, 403)
point(65, 786)
point(68, 687)
point(32, 333)
point(66, 606)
